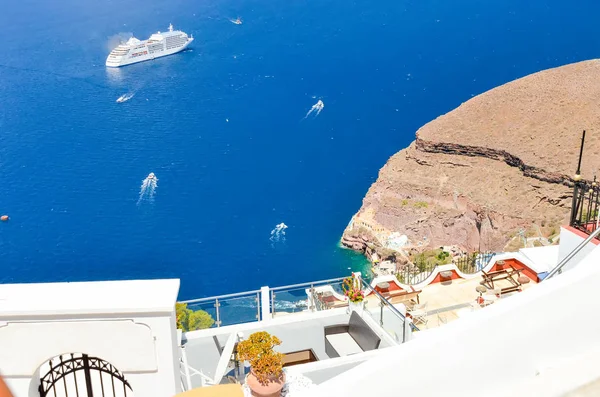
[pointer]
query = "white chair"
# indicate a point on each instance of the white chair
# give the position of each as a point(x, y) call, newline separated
point(492, 296)
point(419, 313)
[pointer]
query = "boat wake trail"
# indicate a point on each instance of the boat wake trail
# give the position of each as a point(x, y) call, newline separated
point(278, 233)
point(125, 97)
point(315, 109)
point(148, 188)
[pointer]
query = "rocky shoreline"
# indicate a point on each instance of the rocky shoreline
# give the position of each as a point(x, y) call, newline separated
point(498, 166)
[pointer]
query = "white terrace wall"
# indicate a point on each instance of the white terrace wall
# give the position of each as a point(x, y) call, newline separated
point(569, 239)
point(491, 351)
point(111, 320)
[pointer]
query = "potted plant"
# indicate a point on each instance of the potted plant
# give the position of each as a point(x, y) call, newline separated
point(352, 290)
point(266, 377)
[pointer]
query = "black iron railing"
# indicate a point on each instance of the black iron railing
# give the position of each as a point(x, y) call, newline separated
point(474, 262)
point(585, 206)
point(421, 268)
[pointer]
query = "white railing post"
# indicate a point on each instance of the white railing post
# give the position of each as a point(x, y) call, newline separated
point(186, 368)
point(265, 304)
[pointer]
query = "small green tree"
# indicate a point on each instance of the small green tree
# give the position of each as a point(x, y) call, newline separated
point(190, 320)
point(200, 320)
point(182, 314)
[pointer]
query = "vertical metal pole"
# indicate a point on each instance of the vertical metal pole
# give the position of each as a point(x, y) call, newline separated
point(64, 380)
point(218, 314)
point(186, 368)
point(574, 204)
point(112, 382)
point(75, 376)
point(581, 203)
point(589, 208)
point(580, 153)
point(258, 306)
point(597, 213)
point(88, 377)
point(273, 303)
point(102, 383)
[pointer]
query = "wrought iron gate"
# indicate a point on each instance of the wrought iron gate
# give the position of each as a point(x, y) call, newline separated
point(82, 376)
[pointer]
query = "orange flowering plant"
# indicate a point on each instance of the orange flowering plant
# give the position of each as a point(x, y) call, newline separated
point(351, 288)
point(264, 360)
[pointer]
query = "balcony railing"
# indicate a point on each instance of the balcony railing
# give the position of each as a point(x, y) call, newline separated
point(230, 309)
point(314, 296)
point(585, 206)
point(422, 268)
point(386, 315)
point(293, 298)
point(247, 306)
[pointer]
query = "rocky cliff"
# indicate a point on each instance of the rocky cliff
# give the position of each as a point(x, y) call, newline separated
point(498, 163)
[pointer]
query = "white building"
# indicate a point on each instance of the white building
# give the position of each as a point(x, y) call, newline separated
point(129, 324)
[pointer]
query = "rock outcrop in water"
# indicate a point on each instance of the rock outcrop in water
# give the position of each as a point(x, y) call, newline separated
point(498, 163)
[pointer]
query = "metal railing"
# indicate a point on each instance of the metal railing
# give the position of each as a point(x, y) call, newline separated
point(571, 255)
point(474, 262)
point(418, 271)
point(385, 313)
point(585, 206)
point(229, 309)
point(293, 298)
point(187, 372)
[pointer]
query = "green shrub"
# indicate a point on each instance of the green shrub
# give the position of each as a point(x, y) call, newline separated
point(190, 320)
point(420, 204)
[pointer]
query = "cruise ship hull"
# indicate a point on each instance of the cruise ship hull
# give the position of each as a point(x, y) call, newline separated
point(146, 57)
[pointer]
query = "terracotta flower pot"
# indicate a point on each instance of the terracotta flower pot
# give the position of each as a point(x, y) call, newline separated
point(272, 388)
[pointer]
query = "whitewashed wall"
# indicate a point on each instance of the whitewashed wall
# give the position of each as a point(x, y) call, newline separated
point(142, 345)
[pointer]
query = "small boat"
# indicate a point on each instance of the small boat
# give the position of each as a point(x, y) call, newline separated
point(151, 175)
point(124, 98)
point(237, 21)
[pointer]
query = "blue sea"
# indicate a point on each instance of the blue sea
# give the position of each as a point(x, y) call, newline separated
point(223, 126)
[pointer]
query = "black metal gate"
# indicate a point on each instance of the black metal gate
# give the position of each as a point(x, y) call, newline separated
point(79, 375)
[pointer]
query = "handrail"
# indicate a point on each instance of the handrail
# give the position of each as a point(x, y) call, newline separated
point(307, 284)
point(238, 294)
point(561, 264)
point(389, 304)
point(212, 298)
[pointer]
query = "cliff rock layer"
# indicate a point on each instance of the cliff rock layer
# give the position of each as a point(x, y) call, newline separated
point(501, 162)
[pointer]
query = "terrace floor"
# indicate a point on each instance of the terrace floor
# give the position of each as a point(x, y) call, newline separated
point(448, 301)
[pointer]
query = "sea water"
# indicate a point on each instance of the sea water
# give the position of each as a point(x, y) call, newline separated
point(223, 125)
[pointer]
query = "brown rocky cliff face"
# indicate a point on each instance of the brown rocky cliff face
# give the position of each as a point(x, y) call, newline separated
point(499, 162)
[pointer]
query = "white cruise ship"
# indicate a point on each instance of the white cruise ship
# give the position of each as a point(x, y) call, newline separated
point(158, 45)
